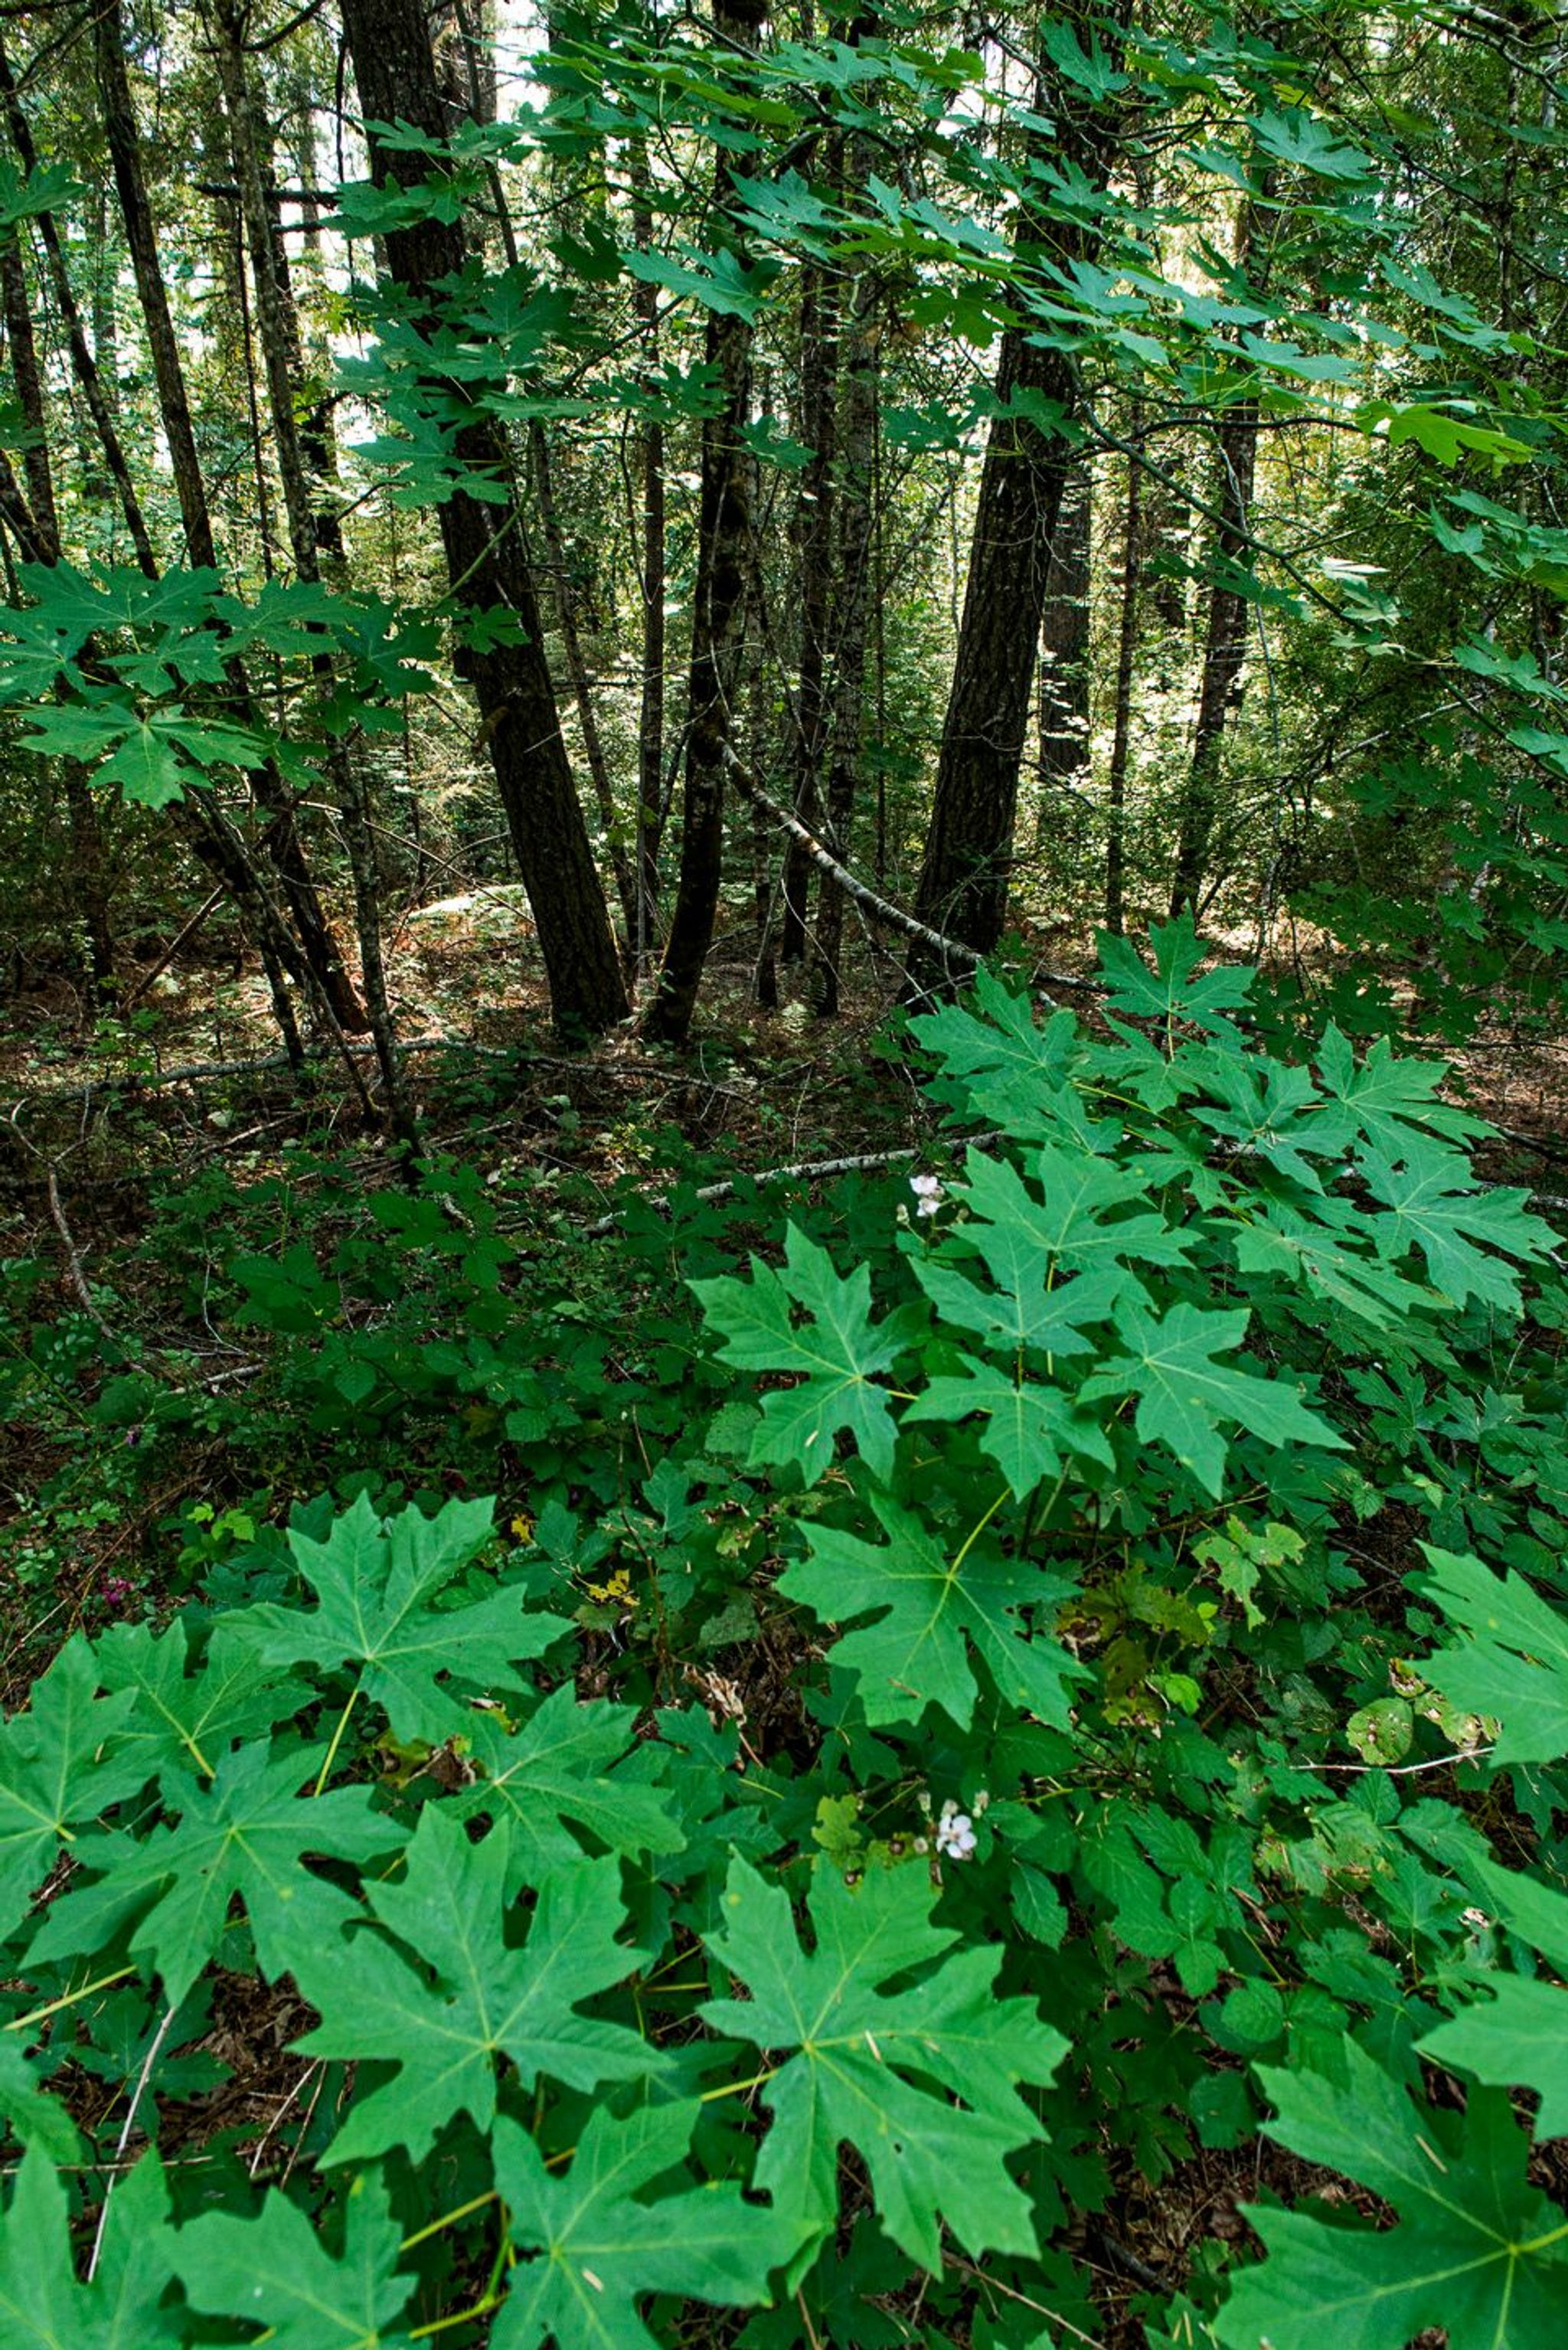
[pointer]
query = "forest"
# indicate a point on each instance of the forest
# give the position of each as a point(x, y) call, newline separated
point(784, 995)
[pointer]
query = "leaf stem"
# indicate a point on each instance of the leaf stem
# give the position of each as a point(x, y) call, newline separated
point(975, 1531)
point(37, 2014)
point(326, 1772)
point(448, 2219)
point(736, 2088)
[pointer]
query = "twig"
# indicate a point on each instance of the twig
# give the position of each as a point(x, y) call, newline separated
point(208, 906)
point(142, 2080)
point(74, 1273)
point(880, 908)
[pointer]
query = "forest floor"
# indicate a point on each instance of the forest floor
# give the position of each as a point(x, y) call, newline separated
point(96, 1116)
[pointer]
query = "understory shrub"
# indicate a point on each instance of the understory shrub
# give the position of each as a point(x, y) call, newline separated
point(1094, 1694)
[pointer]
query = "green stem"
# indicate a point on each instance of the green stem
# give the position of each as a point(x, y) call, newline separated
point(336, 1739)
point(37, 2014)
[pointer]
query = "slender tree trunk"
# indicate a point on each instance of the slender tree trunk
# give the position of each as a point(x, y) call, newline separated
point(1064, 650)
point(99, 386)
point(1121, 732)
point(855, 517)
point(389, 45)
point(1230, 614)
point(278, 324)
point(577, 671)
point(650, 730)
point(88, 860)
point(964, 877)
point(718, 634)
point(814, 555)
point(320, 948)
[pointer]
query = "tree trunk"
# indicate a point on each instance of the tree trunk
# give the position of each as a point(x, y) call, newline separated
point(963, 880)
point(278, 324)
point(577, 671)
point(100, 392)
point(718, 633)
point(650, 731)
point(1225, 633)
point(320, 948)
point(390, 47)
point(1064, 650)
point(854, 515)
point(813, 557)
point(1121, 733)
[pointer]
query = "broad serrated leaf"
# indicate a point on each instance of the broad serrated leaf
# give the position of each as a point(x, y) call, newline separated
point(42, 2306)
point(1029, 1427)
point(922, 2081)
point(185, 1720)
point(60, 1768)
point(594, 2248)
point(250, 1833)
point(466, 1999)
point(1186, 1397)
point(1477, 2252)
point(559, 1767)
point(1072, 1226)
point(378, 1581)
point(274, 2272)
point(35, 2117)
point(1518, 2036)
point(1384, 1102)
point(928, 1612)
point(1177, 988)
point(1513, 1665)
point(834, 1354)
point(1434, 1204)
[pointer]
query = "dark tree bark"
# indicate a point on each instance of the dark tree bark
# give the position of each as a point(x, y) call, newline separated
point(1121, 732)
point(718, 632)
point(650, 731)
point(389, 45)
point(1064, 648)
point(814, 534)
point(88, 871)
point(855, 519)
point(1225, 631)
point(621, 864)
point(964, 877)
point(278, 323)
point(320, 947)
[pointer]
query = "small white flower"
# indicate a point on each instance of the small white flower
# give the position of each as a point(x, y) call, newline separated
point(955, 1833)
point(1475, 1919)
point(928, 1191)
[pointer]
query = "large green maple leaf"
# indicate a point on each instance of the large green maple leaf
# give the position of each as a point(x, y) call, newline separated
point(834, 1353)
point(250, 1833)
point(1477, 2252)
point(929, 1611)
point(42, 2306)
point(378, 1581)
point(1177, 988)
point(185, 1719)
point(1511, 1664)
point(1185, 1396)
point(594, 2248)
point(60, 1767)
point(1432, 1203)
point(466, 1999)
point(559, 1767)
point(1518, 2036)
point(885, 2070)
point(274, 2270)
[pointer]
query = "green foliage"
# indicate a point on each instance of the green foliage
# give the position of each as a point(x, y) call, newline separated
point(1097, 1445)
